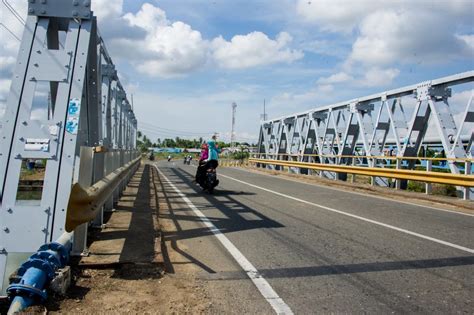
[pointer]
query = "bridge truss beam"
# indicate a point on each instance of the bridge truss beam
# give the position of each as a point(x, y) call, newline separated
point(374, 125)
point(65, 104)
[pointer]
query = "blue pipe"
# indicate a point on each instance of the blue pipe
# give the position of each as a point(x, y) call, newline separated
point(37, 272)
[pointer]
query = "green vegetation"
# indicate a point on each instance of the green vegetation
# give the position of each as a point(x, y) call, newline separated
point(144, 143)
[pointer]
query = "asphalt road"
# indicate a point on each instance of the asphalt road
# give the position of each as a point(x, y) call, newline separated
point(320, 250)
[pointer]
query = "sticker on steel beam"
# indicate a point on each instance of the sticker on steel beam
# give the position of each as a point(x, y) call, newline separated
point(74, 110)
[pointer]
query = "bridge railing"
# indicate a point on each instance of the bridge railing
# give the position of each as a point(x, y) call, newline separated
point(67, 122)
point(403, 122)
point(384, 167)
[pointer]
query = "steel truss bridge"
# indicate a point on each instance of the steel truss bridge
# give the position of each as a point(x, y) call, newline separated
point(377, 131)
point(68, 121)
point(68, 149)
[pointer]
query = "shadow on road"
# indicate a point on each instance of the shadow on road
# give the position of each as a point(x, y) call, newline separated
point(130, 236)
point(230, 207)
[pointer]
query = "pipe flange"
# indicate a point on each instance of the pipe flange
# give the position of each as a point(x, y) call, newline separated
point(50, 256)
point(19, 289)
point(42, 265)
point(62, 250)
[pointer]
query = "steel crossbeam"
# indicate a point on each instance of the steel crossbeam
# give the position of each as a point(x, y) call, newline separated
point(374, 125)
point(67, 112)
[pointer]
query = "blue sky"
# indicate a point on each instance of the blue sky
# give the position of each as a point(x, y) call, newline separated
point(186, 61)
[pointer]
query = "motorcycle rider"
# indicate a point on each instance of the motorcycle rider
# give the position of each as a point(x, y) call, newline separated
point(201, 169)
point(213, 155)
point(213, 159)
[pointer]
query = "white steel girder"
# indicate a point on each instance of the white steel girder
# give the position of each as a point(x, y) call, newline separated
point(377, 125)
point(62, 99)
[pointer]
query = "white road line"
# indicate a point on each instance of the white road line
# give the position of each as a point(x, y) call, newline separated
point(357, 193)
point(262, 285)
point(466, 249)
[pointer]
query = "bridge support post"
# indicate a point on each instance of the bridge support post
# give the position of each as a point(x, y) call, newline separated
point(398, 182)
point(429, 168)
point(467, 171)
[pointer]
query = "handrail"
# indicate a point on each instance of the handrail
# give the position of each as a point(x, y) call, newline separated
point(377, 157)
point(85, 203)
point(422, 176)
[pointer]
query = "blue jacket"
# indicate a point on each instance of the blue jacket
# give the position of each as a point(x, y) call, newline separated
point(213, 150)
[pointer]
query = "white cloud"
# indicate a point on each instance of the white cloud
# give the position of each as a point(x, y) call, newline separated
point(106, 9)
point(379, 77)
point(253, 49)
point(345, 15)
point(170, 49)
point(459, 100)
point(469, 41)
point(407, 37)
point(333, 48)
point(334, 15)
point(339, 77)
point(174, 48)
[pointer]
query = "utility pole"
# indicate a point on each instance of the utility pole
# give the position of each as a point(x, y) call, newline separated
point(232, 133)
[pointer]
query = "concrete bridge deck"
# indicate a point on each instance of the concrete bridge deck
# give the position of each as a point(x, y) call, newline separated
point(262, 244)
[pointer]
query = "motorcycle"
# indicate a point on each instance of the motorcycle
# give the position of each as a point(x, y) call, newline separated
point(208, 180)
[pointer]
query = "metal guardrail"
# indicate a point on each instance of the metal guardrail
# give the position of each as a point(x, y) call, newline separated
point(232, 163)
point(375, 157)
point(422, 176)
point(86, 202)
